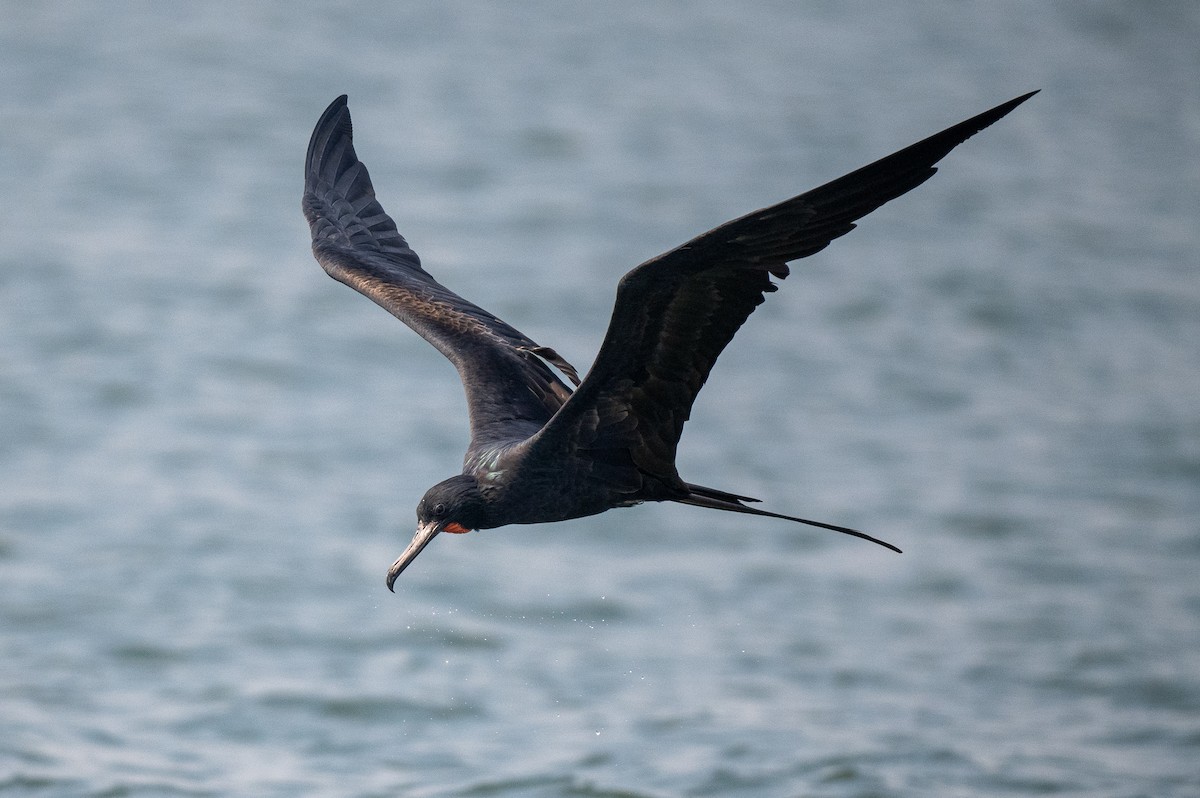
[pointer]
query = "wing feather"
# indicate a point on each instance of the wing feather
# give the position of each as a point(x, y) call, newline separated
point(675, 313)
point(511, 392)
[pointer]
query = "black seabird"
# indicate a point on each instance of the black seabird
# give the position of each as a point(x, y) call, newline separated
point(541, 451)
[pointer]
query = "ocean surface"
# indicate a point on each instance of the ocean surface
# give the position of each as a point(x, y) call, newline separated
point(210, 452)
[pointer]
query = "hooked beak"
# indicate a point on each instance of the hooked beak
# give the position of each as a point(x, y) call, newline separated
point(425, 533)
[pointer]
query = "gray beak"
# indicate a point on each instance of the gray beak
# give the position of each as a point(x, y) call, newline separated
point(420, 540)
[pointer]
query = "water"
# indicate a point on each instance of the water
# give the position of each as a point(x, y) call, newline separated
point(210, 452)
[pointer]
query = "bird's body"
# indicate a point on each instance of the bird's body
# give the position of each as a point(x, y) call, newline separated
point(541, 451)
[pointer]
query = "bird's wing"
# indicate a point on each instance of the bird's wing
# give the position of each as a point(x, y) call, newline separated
point(675, 313)
point(510, 390)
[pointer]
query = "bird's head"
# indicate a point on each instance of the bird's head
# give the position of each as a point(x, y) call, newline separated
point(453, 505)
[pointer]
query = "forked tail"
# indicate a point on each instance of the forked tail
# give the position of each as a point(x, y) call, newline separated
point(701, 496)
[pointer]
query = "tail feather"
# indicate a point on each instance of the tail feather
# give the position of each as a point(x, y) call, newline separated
point(701, 496)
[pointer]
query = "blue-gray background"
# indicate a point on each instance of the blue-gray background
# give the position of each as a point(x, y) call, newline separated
point(210, 452)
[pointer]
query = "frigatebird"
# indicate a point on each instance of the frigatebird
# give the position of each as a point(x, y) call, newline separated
point(541, 451)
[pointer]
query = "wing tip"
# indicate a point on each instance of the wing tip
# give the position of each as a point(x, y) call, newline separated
point(335, 116)
point(977, 123)
point(1003, 108)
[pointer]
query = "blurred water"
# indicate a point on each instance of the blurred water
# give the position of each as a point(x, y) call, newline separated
point(209, 452)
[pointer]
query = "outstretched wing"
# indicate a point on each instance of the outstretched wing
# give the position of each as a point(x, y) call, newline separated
point(510, 391)
point(675, 313)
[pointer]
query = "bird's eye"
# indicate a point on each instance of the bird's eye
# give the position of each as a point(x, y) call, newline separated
point(439, 510)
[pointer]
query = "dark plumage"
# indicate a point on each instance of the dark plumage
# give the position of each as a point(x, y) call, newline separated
point(539, 450)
